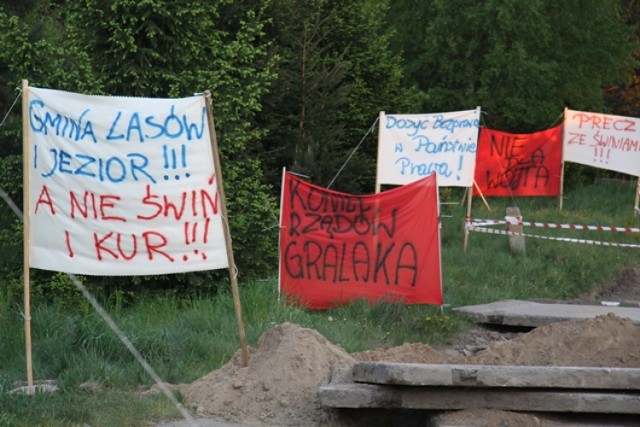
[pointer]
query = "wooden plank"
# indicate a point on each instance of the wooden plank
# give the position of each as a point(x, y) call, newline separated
point(556, 377)
point(454, 398)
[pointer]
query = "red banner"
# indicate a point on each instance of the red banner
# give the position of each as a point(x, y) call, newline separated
point(337, 247)
point(509, 164)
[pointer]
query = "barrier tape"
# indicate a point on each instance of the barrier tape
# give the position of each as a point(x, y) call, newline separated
point(518, 221)
point(472, 227)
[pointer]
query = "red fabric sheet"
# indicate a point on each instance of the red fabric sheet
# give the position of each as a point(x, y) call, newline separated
point(509, 164)
point(337, 247)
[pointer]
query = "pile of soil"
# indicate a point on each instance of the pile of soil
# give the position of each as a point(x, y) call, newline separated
point(605, 341)
point(290, 363)
point(280, 385)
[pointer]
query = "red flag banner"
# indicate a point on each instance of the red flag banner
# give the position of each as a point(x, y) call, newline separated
point(509, 164)
point(337, 247)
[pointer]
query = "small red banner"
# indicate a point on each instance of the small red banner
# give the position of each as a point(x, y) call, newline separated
point(509, 164)
point(337, 247)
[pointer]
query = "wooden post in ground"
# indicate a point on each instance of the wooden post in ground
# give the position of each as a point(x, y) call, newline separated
point(26, 155)
point(516, 241)
point(227, 233)
point(378, 187)
point(564, 138)
point(484, 200)
point(467, 217)
point(636, 209)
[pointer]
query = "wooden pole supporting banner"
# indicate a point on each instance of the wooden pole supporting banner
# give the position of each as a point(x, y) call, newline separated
point(284, 173)
point(225, 226)
point(475, 184)
point(561, 195)
point(467, 217)
point(470, 201)
point(26, 155)
point(636, 209)
point(378, 186)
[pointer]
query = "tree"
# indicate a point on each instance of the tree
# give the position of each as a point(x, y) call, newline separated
point(522, 62)
point(37, 46)
point(624, 98)
point(335, 73)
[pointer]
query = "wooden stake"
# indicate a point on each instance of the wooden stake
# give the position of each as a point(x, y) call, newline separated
point(225, 227)
point(469, 201)
point(561, 187)
point(562, 165)
point(475, 184)
point(636, 209)
point(284, 173)
point(467, 217)
point(516, 241)
point(378, 186)
point(26, 156)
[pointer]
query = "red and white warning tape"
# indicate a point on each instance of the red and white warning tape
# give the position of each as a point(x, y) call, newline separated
point(517, 221)
point(480, 225)
point(474, 227)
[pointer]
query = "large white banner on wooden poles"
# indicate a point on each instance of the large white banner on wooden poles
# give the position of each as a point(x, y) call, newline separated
point(603, 141)
point(412, 146)
point(122, 186)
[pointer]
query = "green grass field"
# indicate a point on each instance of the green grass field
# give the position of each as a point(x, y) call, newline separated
point(184, 339)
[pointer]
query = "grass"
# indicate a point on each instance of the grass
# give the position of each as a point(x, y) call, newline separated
point(69, 407)
point(184, 339)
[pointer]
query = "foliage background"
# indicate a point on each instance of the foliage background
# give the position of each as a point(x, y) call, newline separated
point(299, 84)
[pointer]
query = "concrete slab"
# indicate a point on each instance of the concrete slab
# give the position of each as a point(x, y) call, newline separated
point(562, 377)
point(453, 398)
point(534, 314)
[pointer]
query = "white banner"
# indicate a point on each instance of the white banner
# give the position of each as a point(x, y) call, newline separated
point(412, 146)
point(122, 186)
point(603, 141)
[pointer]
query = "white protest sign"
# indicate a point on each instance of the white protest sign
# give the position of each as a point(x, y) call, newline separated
point(603, 141)
point(122, 186)
point(412, 146)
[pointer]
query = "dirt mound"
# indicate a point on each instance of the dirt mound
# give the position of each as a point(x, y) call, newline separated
point(606, 341)
point(280, 385)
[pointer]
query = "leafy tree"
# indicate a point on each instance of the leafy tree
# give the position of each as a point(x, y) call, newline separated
point(35, 45)
point(624, 98)
point(522, 62)
point(335, 73)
